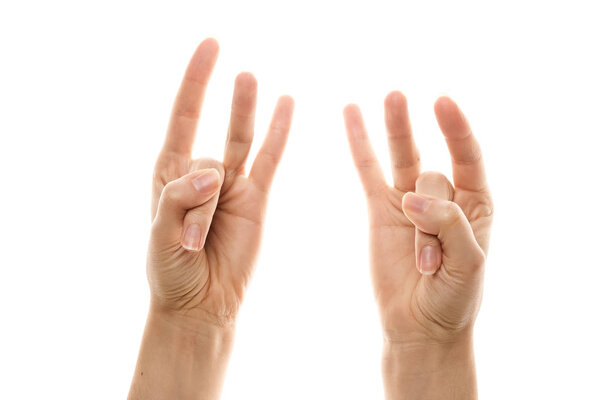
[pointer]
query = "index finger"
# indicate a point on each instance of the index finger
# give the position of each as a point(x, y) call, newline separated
point(467, 164)
point(186, 109)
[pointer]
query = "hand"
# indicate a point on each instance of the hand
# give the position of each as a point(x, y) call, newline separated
point(207, 219)
point(427, 250)
point(207, 215)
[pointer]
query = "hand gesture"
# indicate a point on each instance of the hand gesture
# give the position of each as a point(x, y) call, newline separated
point(207, 215)
point(428, 238)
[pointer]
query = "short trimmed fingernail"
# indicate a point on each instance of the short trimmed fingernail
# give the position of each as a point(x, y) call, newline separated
point(428, 260)
point(191, 237)
point(207, 182)
point(416, 203)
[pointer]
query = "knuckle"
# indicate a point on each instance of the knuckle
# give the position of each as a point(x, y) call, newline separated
point(485, 207)
point(155, 229)
point(186, 111)
point(481, 206)
point(405, 164)
point(469, 154)
point(478, 260)
point(431, 176)
point(199, 214)
point(279, 127)
point(271, 158)
point(170, 194)
point(427, 240)
point(452, 213)
point(159, 173)
point(204, 163)
point(436, 184)
point(366, 163)
point(375, 193)
point(169, 166)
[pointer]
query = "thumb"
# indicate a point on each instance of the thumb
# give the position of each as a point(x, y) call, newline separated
point(428, 249)
point(191, 191)
point(445, 219)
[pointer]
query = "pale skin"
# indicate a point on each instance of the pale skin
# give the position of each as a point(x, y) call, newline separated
point(207, 219)
point(428, 299)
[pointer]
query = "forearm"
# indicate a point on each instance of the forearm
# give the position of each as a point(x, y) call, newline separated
point(429, 371)
point(181, 361)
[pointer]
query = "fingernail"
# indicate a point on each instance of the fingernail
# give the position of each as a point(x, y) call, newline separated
point(416, 203)
point(207, 182)
point(428, 261)
point(191, 238)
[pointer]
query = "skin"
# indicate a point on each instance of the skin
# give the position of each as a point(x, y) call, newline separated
point(200, 207)
point(428, 299)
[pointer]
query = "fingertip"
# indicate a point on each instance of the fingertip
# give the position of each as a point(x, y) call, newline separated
point(395, 99)
point(203, 61)
point(210, 45)
point(430, 258)
point(450, 118)
point(207, 50)
point(407, 198)
point(204, 171)
point(246, 80)
point(444, 108)
point(443, 103)
point(351, 109)
point(207, 181)
point(435, 184)
point(286, 102)
point(396, 115)
point(404, 199)
point(282, 115)
point(415, 203)
point(191, 239)
point(352, 116)
point(353, 121)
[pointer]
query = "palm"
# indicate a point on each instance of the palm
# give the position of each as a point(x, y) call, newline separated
point(238, 220)
point(213, 279)
point(392, 238)
point(399, 287)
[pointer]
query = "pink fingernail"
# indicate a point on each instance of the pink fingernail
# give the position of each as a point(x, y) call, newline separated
point(428, 260)
point(191, 238)
point(416, 203)
point(207, 182)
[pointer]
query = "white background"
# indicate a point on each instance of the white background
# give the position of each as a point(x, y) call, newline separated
point(85, 95)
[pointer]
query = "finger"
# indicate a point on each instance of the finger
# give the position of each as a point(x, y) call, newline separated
point(428, 249)
point(241, 122)
point(269, 155)
point(179, 196)
point(445, 219)
point(435, 184)
point(467, 164)
point(186, 110)
point(403, 151)
point(369, 171)
point(197, 220)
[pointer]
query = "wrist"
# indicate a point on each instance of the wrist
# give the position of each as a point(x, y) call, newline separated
point(191, 329)
point(194, 321)
point(181, 357)
point(430, 369)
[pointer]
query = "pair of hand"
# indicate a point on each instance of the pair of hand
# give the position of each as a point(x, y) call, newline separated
point(428, 249)
point(429, 238)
